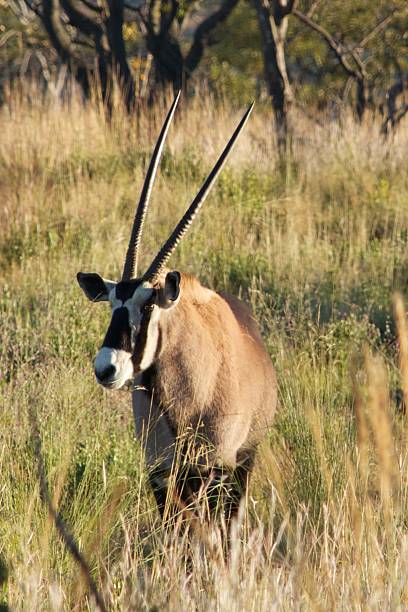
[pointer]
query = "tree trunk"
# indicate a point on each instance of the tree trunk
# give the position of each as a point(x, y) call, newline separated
point(167, 60)
point(362, 98)
point(394, 114)
point(273, 26)
point(120, 67)
point(63, 45)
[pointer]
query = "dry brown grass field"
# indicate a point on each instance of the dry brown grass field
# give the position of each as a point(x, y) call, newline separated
point(318, 245)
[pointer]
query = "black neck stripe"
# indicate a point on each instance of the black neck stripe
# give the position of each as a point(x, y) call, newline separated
point(141, 340)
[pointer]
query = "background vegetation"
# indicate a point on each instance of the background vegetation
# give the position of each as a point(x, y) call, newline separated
point(329, 50)
point(308, 222)
point(317, 244)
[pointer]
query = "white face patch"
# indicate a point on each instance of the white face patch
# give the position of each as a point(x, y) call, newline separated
point(115, 366)
point(139, 299)
point(152, 340)
point(134, 303)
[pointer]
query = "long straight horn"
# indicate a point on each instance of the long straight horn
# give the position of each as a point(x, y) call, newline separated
point(130, 267)
point(181, 228)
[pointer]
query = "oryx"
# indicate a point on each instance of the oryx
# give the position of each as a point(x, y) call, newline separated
point(204, 388)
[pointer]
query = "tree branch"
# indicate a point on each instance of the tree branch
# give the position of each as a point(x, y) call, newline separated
point(82, 18)
point(333, 44)
point(203, 31)
point(33, 8)
point(142, 18)
point(381, 25)
point(150, 13)
point(167, 16)
point(7, 36)
point(59, 37)
point(92, 7)
point(313, 8)
point(283, 8)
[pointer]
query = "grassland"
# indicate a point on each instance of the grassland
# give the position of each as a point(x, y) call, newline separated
point(318, 245)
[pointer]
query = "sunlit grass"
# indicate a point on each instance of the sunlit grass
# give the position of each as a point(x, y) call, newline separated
point(318, 245)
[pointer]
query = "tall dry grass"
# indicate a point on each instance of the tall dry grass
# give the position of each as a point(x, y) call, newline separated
point(318, 246)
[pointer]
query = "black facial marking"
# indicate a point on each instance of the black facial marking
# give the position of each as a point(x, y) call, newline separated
point(118, 334)
point(141, 339)
point(125, 289)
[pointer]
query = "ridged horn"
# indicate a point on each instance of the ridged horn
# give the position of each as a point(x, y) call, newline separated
point(130, 267)
point(181, 228)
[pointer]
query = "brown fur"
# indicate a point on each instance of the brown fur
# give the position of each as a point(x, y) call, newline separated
point(213, 382)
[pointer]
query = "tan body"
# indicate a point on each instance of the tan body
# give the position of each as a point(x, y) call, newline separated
point(213, 383)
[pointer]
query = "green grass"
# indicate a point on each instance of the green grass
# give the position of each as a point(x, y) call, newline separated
point(318, 246)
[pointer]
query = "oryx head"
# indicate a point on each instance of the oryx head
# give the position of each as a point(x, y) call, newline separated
point(132, 342)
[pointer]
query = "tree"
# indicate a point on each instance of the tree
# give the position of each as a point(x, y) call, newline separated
point(273, 23)
point(21, 44)
point(160, 24)
point(319, 55)
point(354, 47)
point(353, 56)
point(88, 38)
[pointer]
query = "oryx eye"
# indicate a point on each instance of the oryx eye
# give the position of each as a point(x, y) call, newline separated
point(148, 307)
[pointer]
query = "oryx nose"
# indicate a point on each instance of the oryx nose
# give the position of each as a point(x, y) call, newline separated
point(106, 373)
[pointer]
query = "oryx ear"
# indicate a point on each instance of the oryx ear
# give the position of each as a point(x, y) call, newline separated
point(171, 288)
point(94, 286)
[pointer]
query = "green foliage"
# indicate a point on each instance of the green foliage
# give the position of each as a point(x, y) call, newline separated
point(20, 35)
point(232, 65)
point(235, 63)
point(319, 77)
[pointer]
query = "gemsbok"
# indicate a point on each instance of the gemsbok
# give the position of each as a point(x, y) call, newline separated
point(204, 388)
